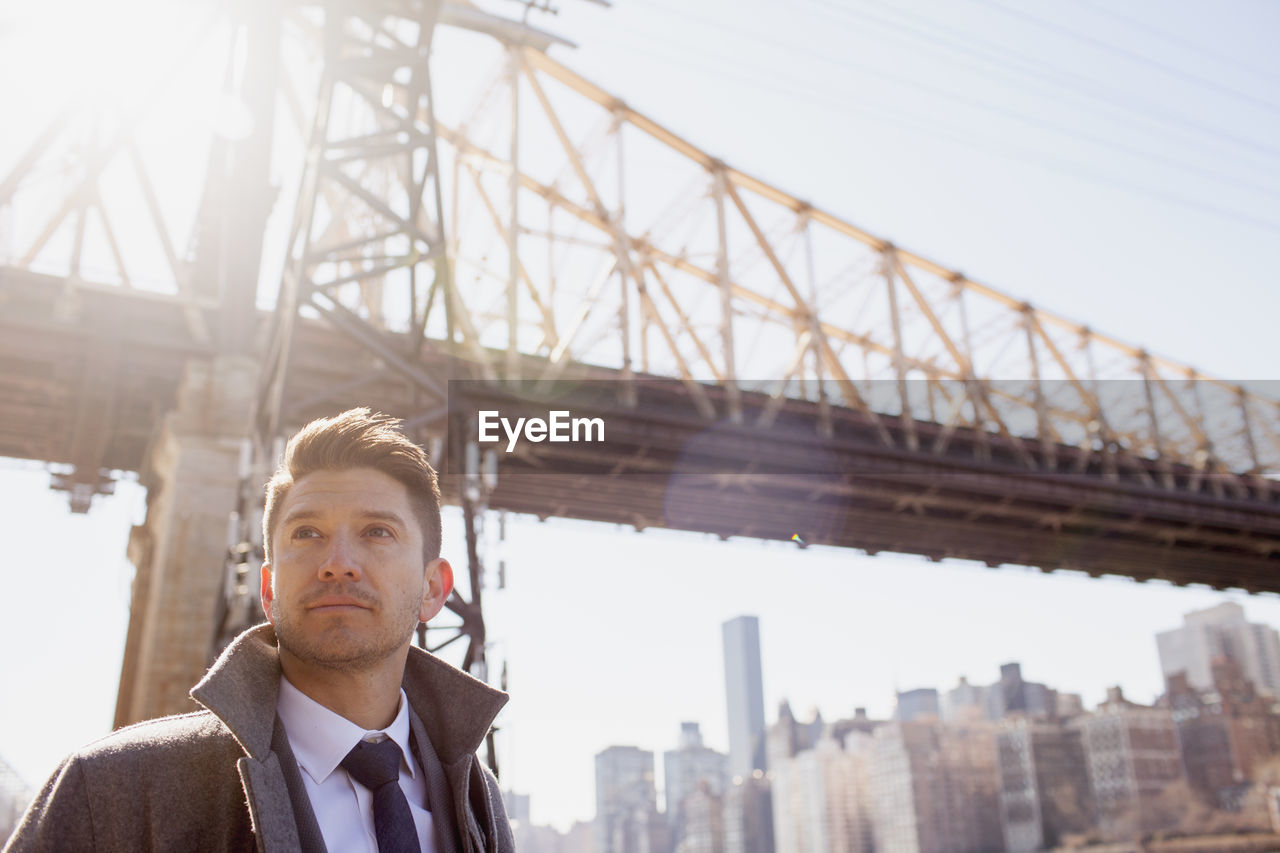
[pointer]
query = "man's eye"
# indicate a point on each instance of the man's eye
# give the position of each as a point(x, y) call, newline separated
point(379, 531)
point(305, 533)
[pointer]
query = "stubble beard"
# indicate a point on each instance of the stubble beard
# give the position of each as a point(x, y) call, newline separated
point(345, 644)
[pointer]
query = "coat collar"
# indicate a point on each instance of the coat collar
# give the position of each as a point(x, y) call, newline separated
point(456, 709)
point(241, 689)
point(242, 685)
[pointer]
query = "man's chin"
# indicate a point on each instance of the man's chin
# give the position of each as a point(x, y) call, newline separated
point(337, 649)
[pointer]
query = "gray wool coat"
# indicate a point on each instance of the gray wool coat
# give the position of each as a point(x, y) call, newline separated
point(224, 778)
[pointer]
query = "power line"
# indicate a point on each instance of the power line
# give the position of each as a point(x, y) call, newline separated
point(930, 128)
point(1171, 70)
point(1173, 38)
point(953, 97)
point(1026, 65)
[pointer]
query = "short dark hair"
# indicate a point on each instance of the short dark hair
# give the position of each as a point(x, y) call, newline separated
point(358, 438)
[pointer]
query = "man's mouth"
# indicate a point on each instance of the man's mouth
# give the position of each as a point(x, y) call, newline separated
point(337, 604)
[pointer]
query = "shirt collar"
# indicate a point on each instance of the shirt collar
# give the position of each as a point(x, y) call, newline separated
point(321, 738)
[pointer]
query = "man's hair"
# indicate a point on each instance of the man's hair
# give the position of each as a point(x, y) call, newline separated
point(358, 438)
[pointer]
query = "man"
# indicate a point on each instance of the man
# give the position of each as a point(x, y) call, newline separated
point(323, 729)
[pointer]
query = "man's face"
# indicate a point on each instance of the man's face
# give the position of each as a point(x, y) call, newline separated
point(349, 583)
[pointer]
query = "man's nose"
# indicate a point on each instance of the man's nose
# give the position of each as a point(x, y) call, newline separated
point(341, 561)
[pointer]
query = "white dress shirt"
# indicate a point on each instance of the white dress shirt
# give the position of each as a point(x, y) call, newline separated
point(320, 739)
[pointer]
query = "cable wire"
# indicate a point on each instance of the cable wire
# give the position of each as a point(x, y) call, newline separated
point(1146, 155)
point(1172, 38)
point(1171, 70)
point(928, 128)
point(965, 43)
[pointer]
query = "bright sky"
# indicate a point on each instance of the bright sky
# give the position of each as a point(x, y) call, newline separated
point(1113, 163)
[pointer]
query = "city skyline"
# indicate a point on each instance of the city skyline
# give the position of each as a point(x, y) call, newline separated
point(816, 722)
point(1030, 762)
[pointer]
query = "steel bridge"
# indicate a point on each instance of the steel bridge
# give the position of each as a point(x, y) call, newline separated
point(522, 238)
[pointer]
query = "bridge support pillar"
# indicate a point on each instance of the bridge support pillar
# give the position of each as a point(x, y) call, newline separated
point(191, 474)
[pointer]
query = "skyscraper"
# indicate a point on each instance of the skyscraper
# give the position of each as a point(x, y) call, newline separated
point(821, 798)
point(1221, 631)
point(744, 695)
point(1044, 782)
point(693, 769)
point(627, 819)
point(1131, 752)
point(748, 815)
point(916, 704)
point(935, 788)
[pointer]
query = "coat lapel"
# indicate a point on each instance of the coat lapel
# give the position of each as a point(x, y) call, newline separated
point(439, 798)
point(310, 838)
point(270, 807)
point(455, 711)
point(241, 689)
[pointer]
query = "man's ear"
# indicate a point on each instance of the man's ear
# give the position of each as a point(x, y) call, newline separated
point(435, 592)
point(265, 592)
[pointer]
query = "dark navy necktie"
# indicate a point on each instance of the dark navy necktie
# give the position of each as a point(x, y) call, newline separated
point(377, 767)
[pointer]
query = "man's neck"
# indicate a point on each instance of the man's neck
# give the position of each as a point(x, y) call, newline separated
point(369, 698)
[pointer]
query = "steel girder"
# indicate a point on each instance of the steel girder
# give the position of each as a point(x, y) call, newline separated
point(535, 227)
point(367, 255)
point(577, 229)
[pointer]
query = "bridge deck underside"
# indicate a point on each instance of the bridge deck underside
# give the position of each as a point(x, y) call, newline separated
point(84, 380)
point(662, 467)
point(85, 374)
